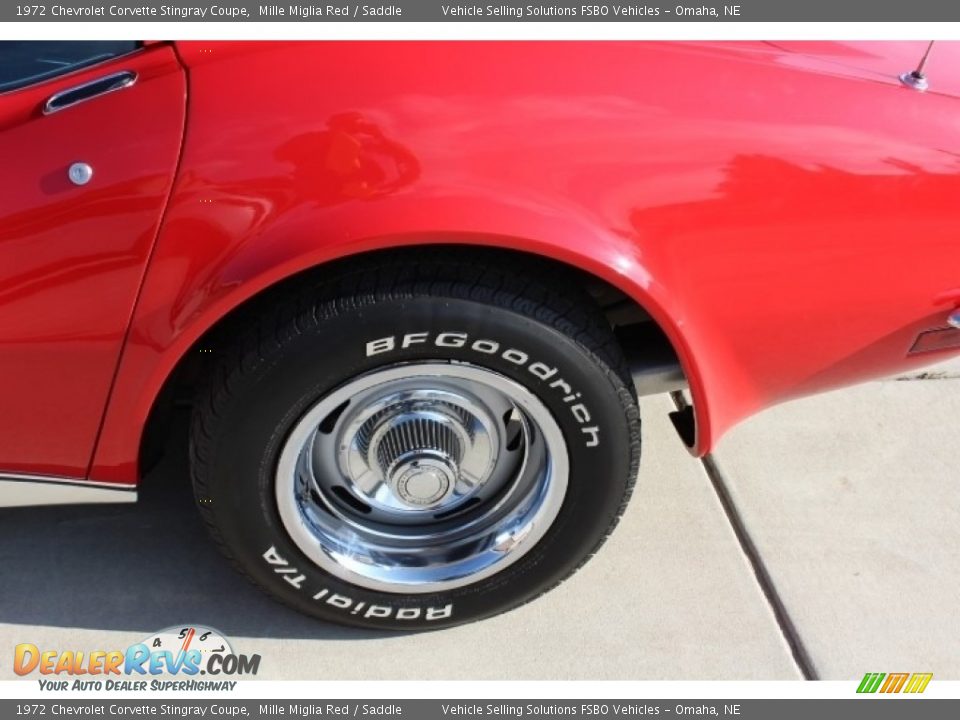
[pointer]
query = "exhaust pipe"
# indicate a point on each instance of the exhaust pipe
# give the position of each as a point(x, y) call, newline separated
point(654, 365)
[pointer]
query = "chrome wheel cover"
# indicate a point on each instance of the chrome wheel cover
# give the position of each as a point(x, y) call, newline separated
point(422, 477)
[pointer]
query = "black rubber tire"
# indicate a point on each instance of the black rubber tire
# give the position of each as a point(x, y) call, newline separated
point(316, 339)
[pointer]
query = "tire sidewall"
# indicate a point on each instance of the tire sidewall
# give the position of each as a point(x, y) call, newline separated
point(587, 399)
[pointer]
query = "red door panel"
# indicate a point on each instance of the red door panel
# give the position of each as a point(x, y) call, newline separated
point(72, 257)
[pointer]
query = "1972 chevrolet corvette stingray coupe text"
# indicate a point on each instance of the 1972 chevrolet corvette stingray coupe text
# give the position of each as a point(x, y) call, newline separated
point(412, 290)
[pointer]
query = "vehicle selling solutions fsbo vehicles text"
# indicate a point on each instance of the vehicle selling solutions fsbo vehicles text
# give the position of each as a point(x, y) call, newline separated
point(587, 10)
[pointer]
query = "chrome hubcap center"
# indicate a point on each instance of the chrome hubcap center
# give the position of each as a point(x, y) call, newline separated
point(418, 450)
point(424, 482)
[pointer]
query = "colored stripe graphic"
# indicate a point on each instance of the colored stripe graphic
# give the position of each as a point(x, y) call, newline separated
point(894, 682)
point(870, 682)
point(918, 682)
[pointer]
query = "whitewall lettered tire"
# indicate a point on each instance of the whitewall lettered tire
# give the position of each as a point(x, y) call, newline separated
point(417, 445)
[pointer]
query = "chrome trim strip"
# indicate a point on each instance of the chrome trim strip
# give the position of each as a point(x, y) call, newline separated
point(17, 490)
point(112, 83)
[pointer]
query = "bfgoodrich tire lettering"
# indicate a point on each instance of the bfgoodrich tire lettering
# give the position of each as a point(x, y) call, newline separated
point(476, 321)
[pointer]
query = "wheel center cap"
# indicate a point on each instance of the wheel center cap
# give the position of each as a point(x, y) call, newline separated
point(423, 482)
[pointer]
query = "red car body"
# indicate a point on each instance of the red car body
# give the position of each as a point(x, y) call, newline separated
point(787, 213)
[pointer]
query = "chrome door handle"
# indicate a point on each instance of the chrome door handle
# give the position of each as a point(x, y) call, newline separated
point(89, 90)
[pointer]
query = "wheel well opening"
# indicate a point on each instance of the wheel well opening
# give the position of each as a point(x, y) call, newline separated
point(651, 358)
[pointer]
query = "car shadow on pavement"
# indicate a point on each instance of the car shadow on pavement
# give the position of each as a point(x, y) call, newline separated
point(138, 567)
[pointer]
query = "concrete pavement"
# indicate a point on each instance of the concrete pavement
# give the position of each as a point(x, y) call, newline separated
point(853, 501)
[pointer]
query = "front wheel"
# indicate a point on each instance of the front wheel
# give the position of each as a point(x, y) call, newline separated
point(412, 447)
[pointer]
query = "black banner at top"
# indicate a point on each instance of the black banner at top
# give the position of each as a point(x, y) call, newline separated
point(517, 11)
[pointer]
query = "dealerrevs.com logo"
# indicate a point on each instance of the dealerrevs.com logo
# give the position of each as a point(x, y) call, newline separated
point(167, 660)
